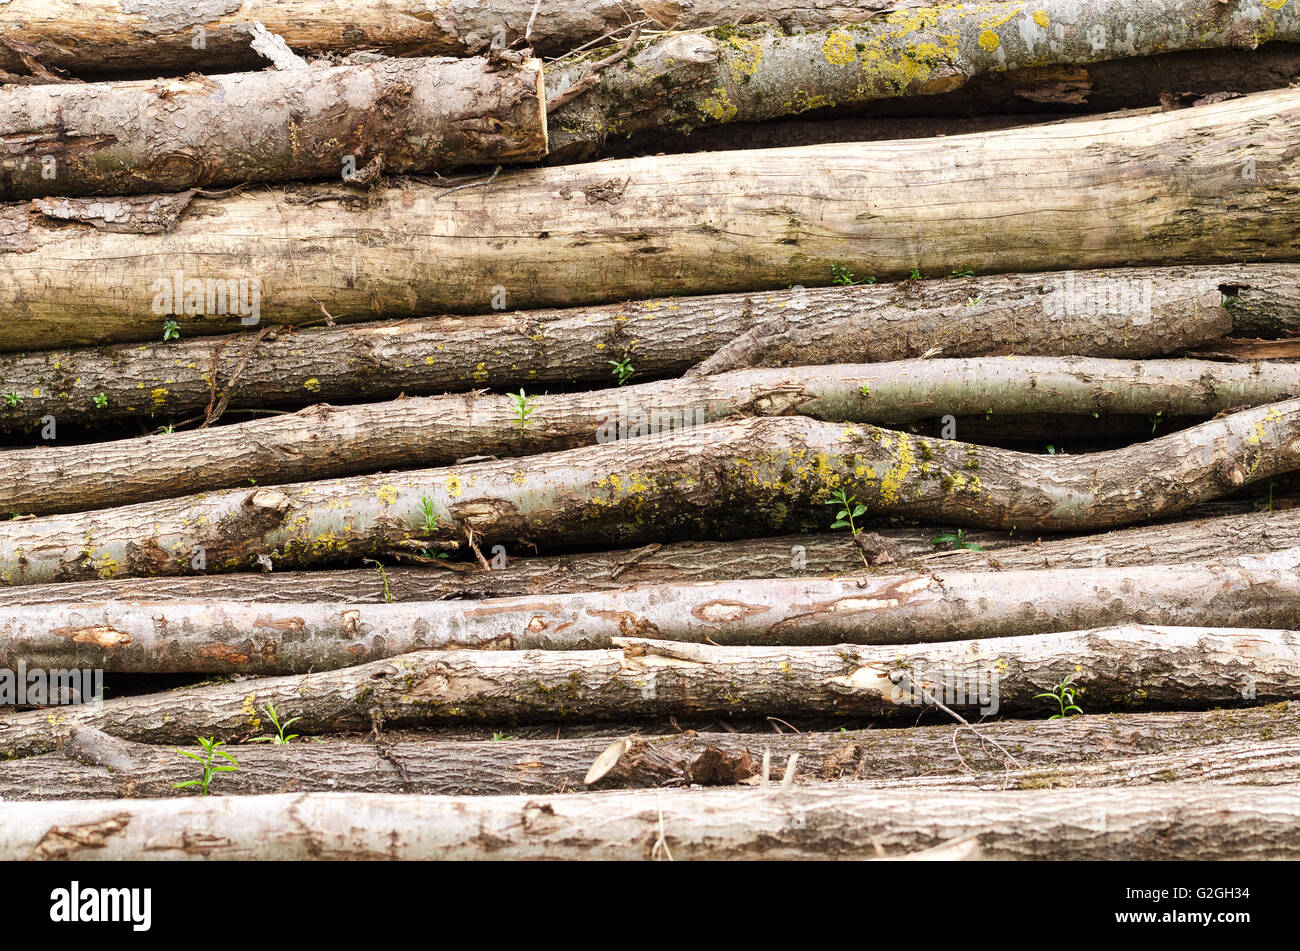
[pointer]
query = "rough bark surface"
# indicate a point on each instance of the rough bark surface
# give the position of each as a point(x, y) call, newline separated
point(809, 822)
point(207, 636)
point(664, 337)
point(1119, 668)
point(681, 81)
point(94, 36)
point(326, 441)
point(1257, 744)
point(728, 479)
point(166, 135)
point(1053, 197)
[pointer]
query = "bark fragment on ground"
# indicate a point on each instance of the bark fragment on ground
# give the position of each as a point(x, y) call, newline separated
point(1119, 668)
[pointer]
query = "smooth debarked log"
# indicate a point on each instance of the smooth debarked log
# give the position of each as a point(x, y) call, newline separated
point(402, 115)
point(1078, 751)
point(840, 821)
point(680, 81)
point(1131, 312)
point(103, 36)
point(207, 636)
point(1120, 668)
point(325, 441)
point(720, 480)
point(1035, 198)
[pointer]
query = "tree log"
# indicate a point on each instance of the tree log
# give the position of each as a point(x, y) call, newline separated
point(728, 479)
point(681, 81)
point(166, 135)
point(809, 822)
point(1055, 197)
point(788, 556)
point(1260, 742)
point(664, 337)
point(326, 441)
point(210, 636)
point(1122, 668)
point(101, 36)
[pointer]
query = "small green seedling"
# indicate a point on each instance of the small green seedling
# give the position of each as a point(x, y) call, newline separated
point(100, 400)
point(964, 272)
point(524, 407)
point(915, 275)
point(1263, 506)
point(279, 739)
point(13, 397)
point(850, 509)
point(956, 540)
point(1063, 695)
point(1051, 450)
point(865, 391)
point(502, 736)
point(166, 430)
point(974, 301)
point(1157, 419)
point(843, 276)
point(210, 751)
point(623, 369)
point(430, 516)
point(171, 330)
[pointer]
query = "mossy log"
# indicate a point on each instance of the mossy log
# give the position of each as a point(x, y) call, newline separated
point(720, 480)
point(403, 115)
point(79, 270)
point(836, 821)
point(171, 36)
point(208, 636)
point(1259, 742)
point(326, 441)
point(683, 80)
point(1121, 668)
point(960, 317)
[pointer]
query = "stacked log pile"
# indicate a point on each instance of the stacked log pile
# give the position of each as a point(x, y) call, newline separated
point(649, 430)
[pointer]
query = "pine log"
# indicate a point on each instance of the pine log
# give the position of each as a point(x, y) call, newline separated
point(326, 441)
point(680, 81)
point(727, 479)
point(76, 270)
point(837, 821)
point(102, 36)
point(1256, 745)
point(891, 549)
point(209, 636)
point(1120, 668)
point(1024, 314)
point(405, 115)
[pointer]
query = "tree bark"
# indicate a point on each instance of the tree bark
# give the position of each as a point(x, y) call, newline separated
point(728, 479)
point(663, 337)
point(166, 135)
point(788, 556)
point(103, 36)
point(1213, 746)
point(681, 81)
point(1120, 668)
point(325, 441)
point(587, 234)
point(208, 636)
point(809, 822)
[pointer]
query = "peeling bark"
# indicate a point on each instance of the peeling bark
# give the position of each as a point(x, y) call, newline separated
point(1056, 197)
point(1216, 746)
point(728, 479)
point(1119, 668)
point(167, 135)
point(681, 81)
point(810, 822)
point(209, 636)
point(326, 441)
